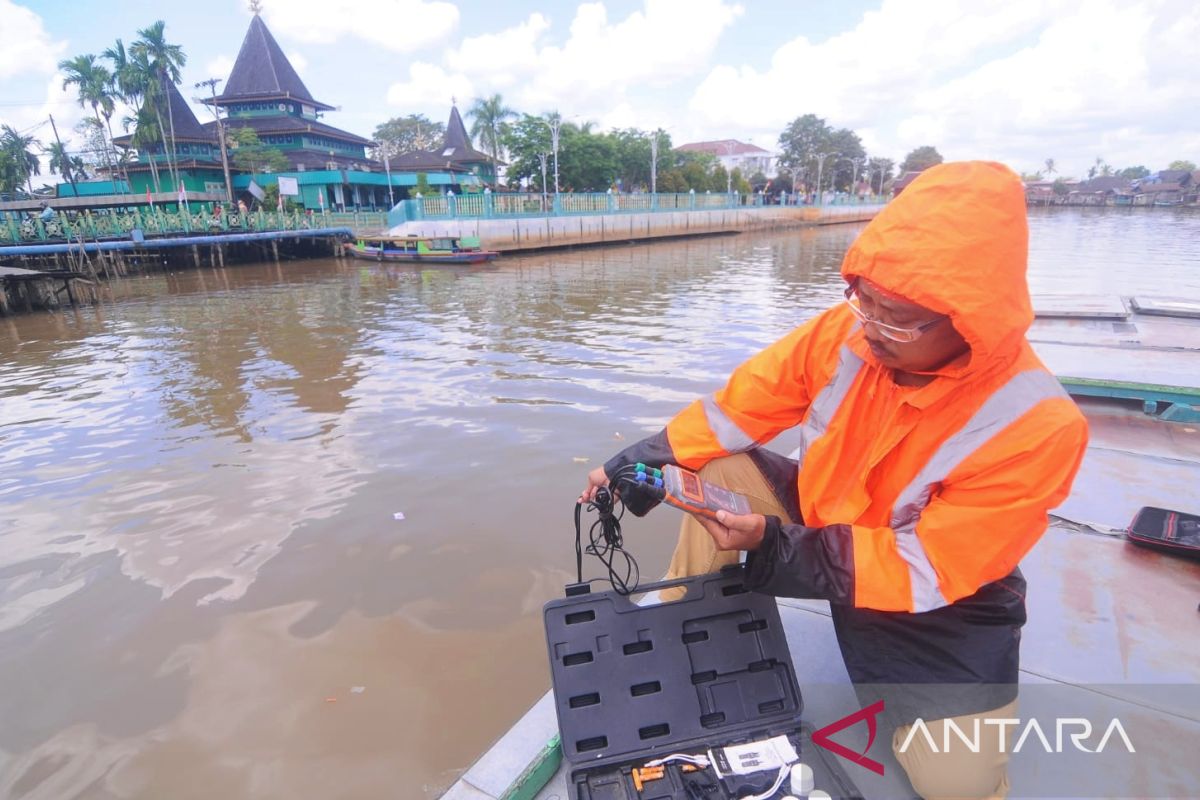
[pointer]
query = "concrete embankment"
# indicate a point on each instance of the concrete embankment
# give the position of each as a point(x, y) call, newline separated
point(537, 233)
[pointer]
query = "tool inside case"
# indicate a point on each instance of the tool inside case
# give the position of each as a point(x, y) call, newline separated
point(694, 699)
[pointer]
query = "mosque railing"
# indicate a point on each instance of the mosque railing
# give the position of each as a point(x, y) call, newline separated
point(194, 220)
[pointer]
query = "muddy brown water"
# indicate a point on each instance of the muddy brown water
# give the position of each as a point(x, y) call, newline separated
point(204, 588)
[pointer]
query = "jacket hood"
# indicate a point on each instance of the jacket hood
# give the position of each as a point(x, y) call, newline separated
point(956, 241)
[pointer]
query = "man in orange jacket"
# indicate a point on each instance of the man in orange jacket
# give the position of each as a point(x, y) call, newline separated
point(933, 444)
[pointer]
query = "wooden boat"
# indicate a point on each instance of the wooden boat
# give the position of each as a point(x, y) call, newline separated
point(423, 249)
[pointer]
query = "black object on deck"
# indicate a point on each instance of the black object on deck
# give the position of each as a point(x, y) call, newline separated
point(1162, 529)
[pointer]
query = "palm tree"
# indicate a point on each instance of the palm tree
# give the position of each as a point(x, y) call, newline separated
point(92, 81)
point(488, 116)
point(133, 79)
point(61, 162)
point(163, 62)
point(23, 162)
point(1050, 170)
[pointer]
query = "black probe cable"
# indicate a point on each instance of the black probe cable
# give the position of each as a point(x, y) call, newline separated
point(604, 536)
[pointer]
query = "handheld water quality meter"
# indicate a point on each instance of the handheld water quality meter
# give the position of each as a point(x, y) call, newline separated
point(686, 490)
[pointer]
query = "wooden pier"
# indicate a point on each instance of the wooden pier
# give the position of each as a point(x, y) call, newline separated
point(29, 290)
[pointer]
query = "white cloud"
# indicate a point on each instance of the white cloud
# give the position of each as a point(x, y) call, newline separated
point(299, 62)
point(27, 47)
point(399, 25)
point(219, 67)
point(1014, 80)
point(589, 73)
point(429, 86)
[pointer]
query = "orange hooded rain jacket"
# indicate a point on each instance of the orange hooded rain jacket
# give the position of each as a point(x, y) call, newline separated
point(912, 501)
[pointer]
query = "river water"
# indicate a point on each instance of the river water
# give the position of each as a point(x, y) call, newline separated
point(205, 589)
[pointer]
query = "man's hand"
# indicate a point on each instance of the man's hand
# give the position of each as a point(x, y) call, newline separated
point(596, 478)
point(735, 531)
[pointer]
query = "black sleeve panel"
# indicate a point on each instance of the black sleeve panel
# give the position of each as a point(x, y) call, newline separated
point(797, 561)
point(653, 451)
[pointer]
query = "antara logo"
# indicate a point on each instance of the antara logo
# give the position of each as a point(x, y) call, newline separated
point(1075, 729)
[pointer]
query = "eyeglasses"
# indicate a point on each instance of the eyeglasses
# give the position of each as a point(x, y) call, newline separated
point(896, 334)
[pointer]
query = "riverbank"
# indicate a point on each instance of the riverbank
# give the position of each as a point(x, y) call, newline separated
point(519, 234)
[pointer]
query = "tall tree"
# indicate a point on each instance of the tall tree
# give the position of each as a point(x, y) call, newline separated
point(164, 62)
point(61, 161)
point(1186, 166)
point(1050, 170)
point(801, 142)
point(489, 116)
point(921, 158)
point(21, 158)
point(1134, 173)
point(524, 140)
point(840, 175)
point(406, 134)
point(250, 154)
point(92, 82)
point(879, 172)
point(134, 79)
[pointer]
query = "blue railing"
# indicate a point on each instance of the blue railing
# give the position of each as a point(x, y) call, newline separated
point(502, 205)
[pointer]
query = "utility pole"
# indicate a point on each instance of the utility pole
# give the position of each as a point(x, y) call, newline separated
point(63, 151)
point(211, 83)
point(654, 163)
point(542, 158)
point(553, 124)
point(820, 166)
point(729, 143)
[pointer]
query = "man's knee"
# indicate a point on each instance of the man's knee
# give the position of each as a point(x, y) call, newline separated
point(939, 781)
point(942, 767)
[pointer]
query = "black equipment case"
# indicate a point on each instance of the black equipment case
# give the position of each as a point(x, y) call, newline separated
point(633, 683)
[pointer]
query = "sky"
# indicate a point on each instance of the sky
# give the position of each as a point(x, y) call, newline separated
point(1017, 81)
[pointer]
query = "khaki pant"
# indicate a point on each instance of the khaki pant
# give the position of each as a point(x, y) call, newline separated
point(956, 773)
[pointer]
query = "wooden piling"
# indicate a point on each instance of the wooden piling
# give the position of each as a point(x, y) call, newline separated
point(275, 249)
point(221, 255)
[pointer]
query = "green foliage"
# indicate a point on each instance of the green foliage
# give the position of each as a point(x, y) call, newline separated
point(250, 154)
point(488, 117)
point(1050, 168)
point(809, 137)
point(20, 162)
point(523, 140)
point(1031, 177)
point(1134, 173)
point(921, 158)
point(1101, 167)
point(1060, 187)
point(405, 134)
point(586, 161)
point(270, 200)
point(879, 171)
point(423, 188)
point(740, 184)
point(1187, 166)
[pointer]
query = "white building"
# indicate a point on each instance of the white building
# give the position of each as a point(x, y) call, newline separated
point(749, 158)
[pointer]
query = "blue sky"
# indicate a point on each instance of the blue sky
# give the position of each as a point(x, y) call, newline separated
point(1013, 80)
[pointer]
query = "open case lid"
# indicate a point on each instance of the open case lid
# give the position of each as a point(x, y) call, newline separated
point(631, 681)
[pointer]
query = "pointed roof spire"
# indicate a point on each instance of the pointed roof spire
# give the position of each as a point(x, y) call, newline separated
point(186, 124)
point(456, 132)
point(263, 72)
